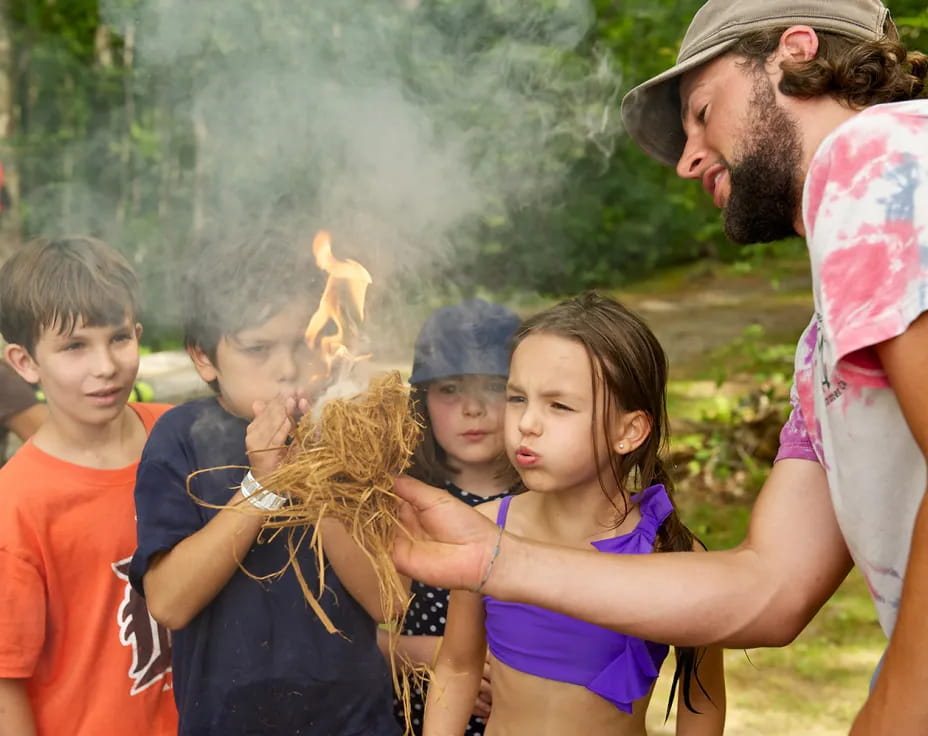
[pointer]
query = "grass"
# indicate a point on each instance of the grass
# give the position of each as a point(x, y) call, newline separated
point(704, 398)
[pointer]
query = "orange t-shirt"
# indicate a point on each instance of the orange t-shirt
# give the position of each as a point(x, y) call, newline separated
point(70, 624)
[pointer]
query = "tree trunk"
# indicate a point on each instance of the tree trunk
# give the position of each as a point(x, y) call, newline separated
point(132, 172)
point(9, 217)
point(201, 136)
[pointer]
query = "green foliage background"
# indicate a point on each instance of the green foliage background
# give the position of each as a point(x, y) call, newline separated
point(104, 144)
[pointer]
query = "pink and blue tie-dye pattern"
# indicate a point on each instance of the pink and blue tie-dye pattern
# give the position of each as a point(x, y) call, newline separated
point(795, 440)
point(866, 216)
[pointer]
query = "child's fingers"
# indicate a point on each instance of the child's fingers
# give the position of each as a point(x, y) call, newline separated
point(267, 456)
point(295, 404)
point(265, 429)
point(481, 708)
point(278, 426)
point(267, 415)
point(266, 437)
point(485, 693)
point(282, 430)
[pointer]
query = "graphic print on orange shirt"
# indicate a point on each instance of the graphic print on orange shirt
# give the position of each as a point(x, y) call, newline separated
point(150, 641)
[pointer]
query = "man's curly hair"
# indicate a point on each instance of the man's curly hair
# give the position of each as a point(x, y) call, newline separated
point(858, 73)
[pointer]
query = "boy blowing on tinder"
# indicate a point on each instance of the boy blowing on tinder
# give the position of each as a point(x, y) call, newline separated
point(250, 656)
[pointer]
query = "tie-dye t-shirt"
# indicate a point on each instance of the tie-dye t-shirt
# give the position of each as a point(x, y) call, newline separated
point(866, 215)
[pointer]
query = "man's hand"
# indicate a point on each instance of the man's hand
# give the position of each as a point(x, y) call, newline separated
point(266, 436)
point(443, 542)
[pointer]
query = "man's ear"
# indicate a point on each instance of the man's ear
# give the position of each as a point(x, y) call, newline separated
point(138, 331)
point(22, 362)
point(631, 429)
point(798, 43)
point(203, 364)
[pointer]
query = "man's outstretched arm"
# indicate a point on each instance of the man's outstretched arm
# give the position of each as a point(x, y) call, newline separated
point(761, 593)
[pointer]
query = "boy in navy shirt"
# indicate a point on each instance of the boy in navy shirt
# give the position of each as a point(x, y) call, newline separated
point(250, 656)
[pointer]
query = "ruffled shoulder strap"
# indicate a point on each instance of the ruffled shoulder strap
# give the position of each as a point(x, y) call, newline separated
point(655, 506)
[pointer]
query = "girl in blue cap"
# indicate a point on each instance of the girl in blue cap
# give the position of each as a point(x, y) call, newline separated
point(459, 375)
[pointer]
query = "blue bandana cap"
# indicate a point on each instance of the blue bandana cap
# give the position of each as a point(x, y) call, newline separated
point(469, 338)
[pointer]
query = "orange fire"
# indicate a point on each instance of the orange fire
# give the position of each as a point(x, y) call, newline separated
point(342, 304)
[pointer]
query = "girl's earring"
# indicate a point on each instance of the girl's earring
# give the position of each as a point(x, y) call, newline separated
point(621, 445)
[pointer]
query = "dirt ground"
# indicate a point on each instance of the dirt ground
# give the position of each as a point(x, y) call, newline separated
point(699, 309)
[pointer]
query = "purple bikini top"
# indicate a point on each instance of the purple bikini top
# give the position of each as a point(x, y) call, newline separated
point(540, 642)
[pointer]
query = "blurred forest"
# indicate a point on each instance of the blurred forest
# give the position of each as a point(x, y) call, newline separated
point(143, 120)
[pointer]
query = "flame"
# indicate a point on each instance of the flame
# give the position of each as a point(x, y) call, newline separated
point(348, 279)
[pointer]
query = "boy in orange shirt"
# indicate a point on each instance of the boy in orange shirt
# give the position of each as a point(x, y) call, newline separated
point(79, 654)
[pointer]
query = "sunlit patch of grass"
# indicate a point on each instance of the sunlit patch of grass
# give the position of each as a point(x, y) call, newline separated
point(786, 273)
point(718, 527)
point(756, 352)
point(673, 280)
point(681, 406)
point(701, 399)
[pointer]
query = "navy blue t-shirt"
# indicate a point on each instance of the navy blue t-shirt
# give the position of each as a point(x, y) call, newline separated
point(256, 660)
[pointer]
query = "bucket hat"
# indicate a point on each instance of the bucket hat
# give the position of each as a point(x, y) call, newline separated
point(651, 111)
point(464, 339)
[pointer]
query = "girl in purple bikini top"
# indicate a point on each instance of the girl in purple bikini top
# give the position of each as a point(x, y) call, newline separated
point(584, 421)
point(617, 667)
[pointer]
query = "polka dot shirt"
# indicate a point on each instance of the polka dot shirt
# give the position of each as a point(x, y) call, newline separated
point(426, 617)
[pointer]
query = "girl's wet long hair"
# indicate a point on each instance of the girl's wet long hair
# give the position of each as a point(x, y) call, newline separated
point(429, 461)
point(629, 374)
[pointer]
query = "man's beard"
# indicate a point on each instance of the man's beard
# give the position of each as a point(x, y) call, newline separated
point(765, 188)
